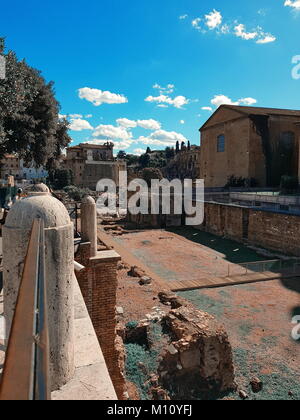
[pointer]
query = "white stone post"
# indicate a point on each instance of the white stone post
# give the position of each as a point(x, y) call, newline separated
point(89, 223)
point(59, 253)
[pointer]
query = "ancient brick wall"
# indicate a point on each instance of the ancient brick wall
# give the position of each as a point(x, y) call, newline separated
point(98, 283)
point(224, 220)
point(278, 232)
point(273, 231)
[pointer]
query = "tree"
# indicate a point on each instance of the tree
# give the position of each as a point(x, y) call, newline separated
point(132, 160)
point(61, 178)
point(148, 150)
point(29, 121)
point(170, 152)
point(189, 145)
point(121, 155)
point(151, 173)
point(144, 160)
point(177, 147)
point(183, 147)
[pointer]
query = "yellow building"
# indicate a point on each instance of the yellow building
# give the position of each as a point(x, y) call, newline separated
point(249, 142)
point(91, 163)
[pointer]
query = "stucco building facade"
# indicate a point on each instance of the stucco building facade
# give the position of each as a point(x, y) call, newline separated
point(185, 165)
point(91, 163)
point(249, 142)
point(12, 165)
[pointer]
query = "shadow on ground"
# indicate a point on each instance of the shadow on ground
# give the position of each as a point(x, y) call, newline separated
point(234, 252)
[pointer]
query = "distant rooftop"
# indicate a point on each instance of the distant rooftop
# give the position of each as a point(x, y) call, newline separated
point(91, 146)
point(254, 110)
point(250, 110)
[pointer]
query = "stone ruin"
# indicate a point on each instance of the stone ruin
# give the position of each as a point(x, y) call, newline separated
point(195, 356)
point(199, 358)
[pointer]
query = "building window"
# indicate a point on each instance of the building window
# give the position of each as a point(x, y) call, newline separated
point(287, 140)
point(221, 143)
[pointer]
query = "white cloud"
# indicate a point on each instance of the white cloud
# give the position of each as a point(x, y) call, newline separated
point(195, 24)
point(112, 132)
point(225, 29)
point(214, 22)
point(182, 122)
point(77, 124)
point(219, 100)
point(162, 138)
point(213, 19)
point(75, 116)
point(146, 124)
point(294, 4)
point(240, 31)
point(98, 97)
point(247, 101)
point(149, 124)
point(164, 90)
point(124, 122)
point(177, 102)
point(122, 145)
point(182, 17)
point(267, 39)
point(207, 108)
point(139, 152)
point(260, 36)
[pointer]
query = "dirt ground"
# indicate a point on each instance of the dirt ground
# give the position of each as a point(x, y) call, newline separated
point(187, 254)
point(258, 317)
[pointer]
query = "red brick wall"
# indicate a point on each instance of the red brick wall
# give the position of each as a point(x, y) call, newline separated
point(273, 231)
point(278, 232)
point(98, 283)
point(223, 220)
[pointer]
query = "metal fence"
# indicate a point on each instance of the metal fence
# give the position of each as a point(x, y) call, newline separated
point(26, 369)
point(283, 266)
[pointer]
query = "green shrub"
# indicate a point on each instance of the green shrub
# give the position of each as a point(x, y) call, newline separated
point(289, 184)
point(76, 193)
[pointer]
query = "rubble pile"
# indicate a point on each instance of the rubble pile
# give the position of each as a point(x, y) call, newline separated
point(193, 356)
point(199, 358)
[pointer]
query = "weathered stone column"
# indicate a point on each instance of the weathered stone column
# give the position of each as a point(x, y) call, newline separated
point(89, 223)
point(59, 251)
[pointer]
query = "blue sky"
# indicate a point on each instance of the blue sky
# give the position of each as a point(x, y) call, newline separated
point(139, 72)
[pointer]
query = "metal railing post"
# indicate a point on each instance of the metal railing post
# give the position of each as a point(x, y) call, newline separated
point(26, 369)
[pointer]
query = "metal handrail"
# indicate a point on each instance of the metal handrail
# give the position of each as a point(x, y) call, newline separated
point(26, 369)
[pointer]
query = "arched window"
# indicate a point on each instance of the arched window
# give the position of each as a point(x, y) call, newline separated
point(221, 143)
